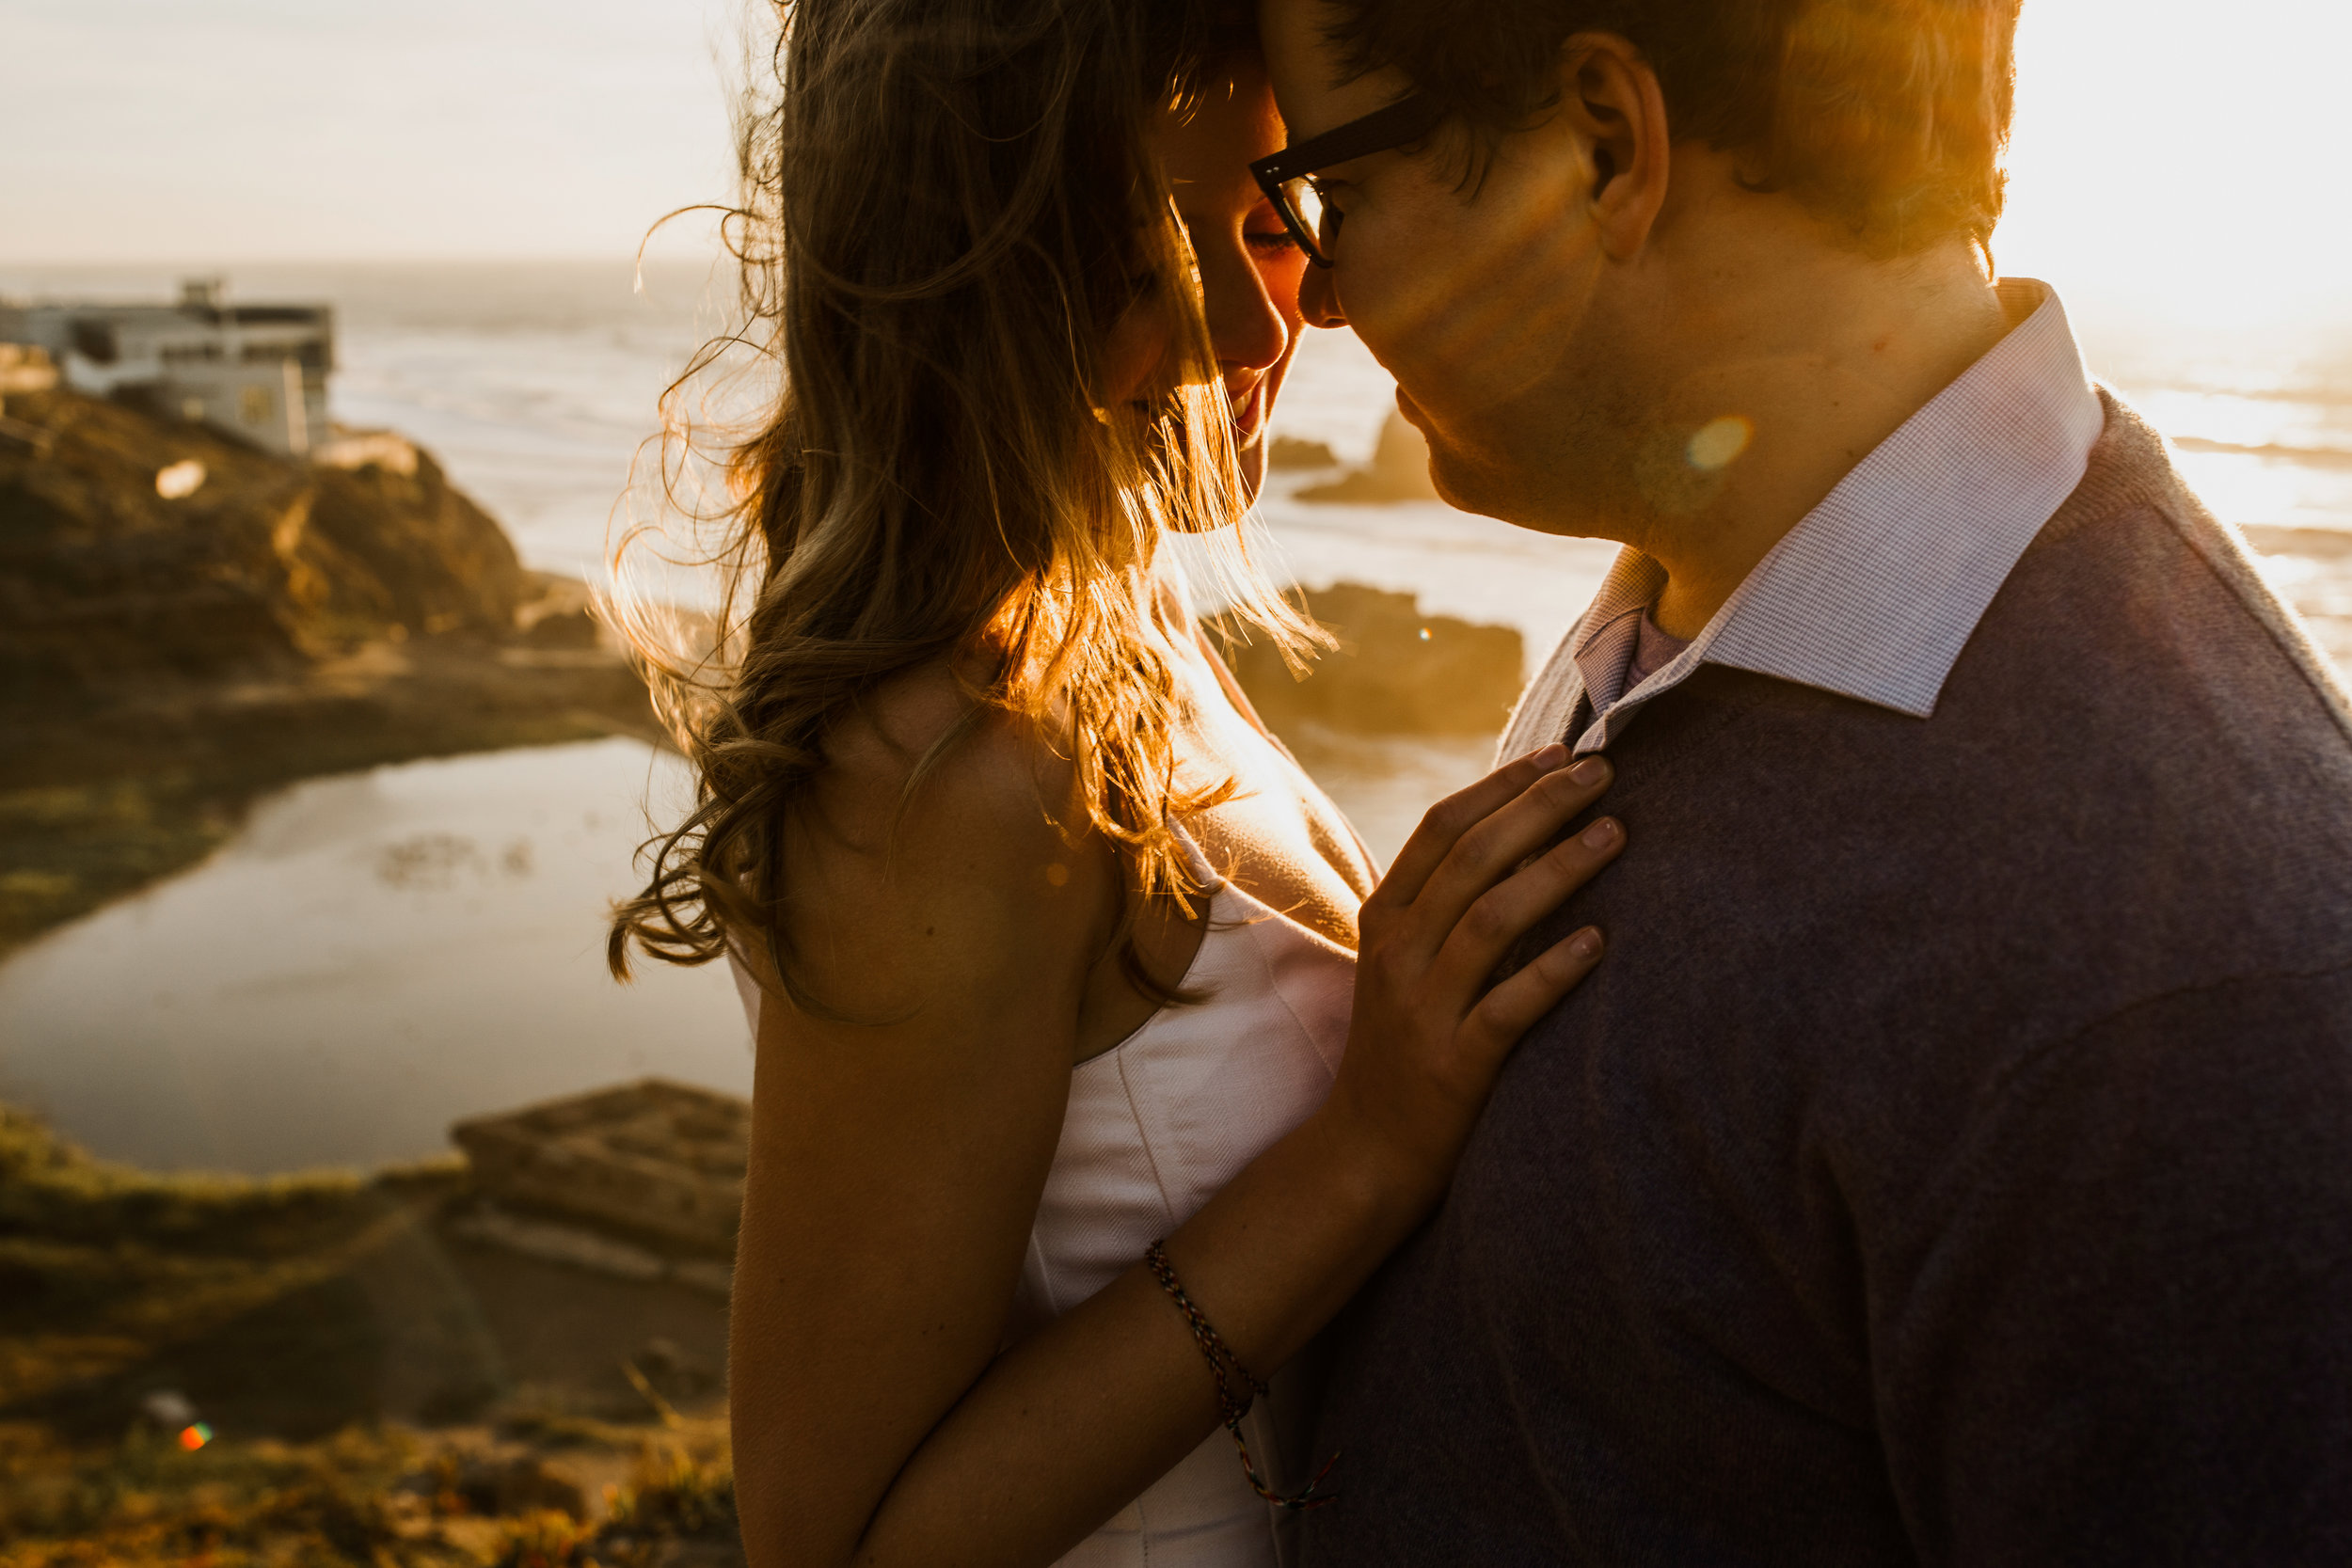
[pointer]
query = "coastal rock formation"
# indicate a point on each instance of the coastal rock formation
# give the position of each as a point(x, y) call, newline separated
point(653, 1160)
point(1292, 452)
point(135, 546)
point(1399, 470)
point(1395, 671)
point(187, 622)
point(295, 1306)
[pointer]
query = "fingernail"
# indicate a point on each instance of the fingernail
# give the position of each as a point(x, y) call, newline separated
point(1585, 944)
point(1601, 835)
point(1551, 756)
point(1590, 772)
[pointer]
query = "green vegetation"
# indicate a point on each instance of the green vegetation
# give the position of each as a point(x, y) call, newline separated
point(105, 1272)
point(252, 1297)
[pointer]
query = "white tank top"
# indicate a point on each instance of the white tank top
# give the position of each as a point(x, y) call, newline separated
point(1155, 1126)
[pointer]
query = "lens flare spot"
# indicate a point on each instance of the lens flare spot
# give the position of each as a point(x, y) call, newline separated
point(1058, 874)
point(181, 480)
point(194, 1437)
point(1718, 442)
point(1425, 634)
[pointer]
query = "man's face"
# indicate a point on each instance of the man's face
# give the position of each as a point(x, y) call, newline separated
point(1471, 295)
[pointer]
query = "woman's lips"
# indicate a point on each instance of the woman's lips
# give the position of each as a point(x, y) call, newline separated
point(1249, 415)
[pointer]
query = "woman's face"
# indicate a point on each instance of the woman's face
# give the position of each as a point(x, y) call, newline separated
point(1249, 266)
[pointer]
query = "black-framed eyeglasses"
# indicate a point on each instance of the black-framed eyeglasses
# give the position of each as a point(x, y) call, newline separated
point(1288, 177)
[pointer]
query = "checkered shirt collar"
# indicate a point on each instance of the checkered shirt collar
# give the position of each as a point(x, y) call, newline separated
point(1875, 592)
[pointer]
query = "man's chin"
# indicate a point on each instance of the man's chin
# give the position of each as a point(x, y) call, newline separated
point(1456, 481)
point(1467, 485)
point(1482, 484)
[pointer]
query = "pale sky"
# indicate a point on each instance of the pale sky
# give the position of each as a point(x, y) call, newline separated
point(2172, 156)
point(286, 130)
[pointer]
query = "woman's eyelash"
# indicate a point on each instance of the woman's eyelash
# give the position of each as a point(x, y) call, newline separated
point(1273, 240)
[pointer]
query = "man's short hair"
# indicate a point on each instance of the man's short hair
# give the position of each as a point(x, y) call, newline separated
point(1889, 117)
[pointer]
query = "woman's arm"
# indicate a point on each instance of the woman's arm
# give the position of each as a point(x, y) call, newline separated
point(896, 1170)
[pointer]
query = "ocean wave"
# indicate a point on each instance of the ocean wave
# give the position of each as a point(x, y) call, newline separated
point(2318, 457)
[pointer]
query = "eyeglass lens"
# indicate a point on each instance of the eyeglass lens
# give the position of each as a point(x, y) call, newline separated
point(1314, 219)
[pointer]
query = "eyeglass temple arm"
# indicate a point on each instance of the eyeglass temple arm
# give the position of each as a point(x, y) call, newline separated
point(1406, 120)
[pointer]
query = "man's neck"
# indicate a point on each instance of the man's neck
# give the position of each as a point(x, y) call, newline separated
point(1816, 368)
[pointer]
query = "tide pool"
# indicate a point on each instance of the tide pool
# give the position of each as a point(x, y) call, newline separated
point(374, 956)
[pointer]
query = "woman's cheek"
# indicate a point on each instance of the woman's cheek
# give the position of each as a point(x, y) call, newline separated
point(1252, 462)
point(1283, 276)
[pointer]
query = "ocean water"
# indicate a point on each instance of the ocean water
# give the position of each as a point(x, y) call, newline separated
point(439, 925)
point(375, 956)
point(536, 384)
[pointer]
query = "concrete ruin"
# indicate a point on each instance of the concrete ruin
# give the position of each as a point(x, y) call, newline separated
point(256, 371)
point(656, 1161)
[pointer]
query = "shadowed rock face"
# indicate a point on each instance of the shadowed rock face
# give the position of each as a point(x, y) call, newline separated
point(186, 623)
point(263, 564)
point(1399, 471)
point(653, 1159)
point(1288, 452)
point(1395, 671)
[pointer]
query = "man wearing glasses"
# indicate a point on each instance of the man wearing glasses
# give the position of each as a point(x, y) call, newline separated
point(1950, 1164)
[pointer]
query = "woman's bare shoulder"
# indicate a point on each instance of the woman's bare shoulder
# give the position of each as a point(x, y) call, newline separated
point(930, 846)
point(921, 755)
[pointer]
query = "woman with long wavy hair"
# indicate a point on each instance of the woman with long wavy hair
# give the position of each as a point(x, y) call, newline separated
point(1084, 1096)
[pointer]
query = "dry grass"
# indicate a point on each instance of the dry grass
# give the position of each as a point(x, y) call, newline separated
point(103, 1267)
point(147, 1501)
point(108, 1273)
point(375, 1496)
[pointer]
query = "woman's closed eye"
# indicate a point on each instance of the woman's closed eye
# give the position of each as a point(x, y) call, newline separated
point(1266, 235)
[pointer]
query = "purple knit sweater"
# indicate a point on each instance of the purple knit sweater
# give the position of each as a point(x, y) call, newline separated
point(1951, 1162)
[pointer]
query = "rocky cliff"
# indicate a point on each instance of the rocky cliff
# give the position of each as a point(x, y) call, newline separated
point(186, 623)
point(1399, 471)
point(134, 546)
point(1395, 671)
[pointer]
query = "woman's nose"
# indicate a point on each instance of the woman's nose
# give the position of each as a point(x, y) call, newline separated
point(1319, 299)
point(1245, 326)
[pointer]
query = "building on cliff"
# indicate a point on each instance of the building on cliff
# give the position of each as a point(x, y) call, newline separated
point(258, 371)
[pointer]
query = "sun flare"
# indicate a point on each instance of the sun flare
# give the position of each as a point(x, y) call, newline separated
point(2182, 161)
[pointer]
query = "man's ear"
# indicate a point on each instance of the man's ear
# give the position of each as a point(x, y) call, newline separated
point(1611, 98)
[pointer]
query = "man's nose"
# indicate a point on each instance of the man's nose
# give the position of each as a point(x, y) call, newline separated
point(1319, 299)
